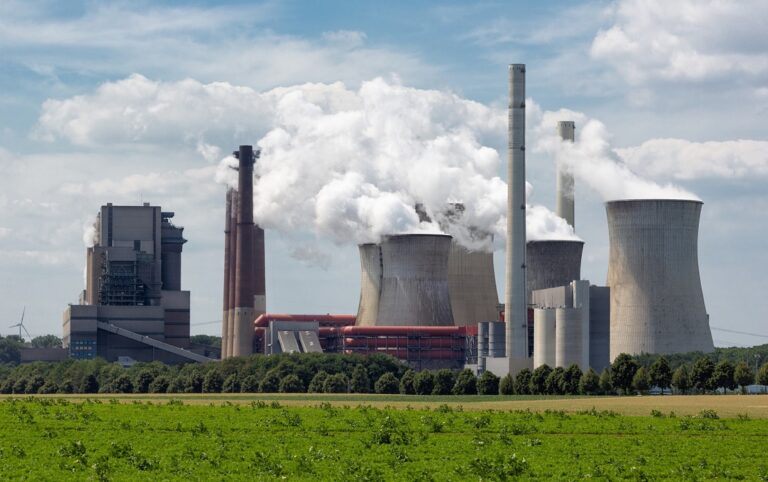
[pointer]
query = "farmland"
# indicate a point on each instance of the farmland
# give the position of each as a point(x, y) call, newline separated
point(367, 438)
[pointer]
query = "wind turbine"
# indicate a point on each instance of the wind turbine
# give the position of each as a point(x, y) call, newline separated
point(20, 325)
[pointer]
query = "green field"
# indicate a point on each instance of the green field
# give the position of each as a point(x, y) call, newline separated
point(111, 439)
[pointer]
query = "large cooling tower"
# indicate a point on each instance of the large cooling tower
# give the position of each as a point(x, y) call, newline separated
point(472, 285)
point(657, 305)
point(550, 264)
point(414, 285)
point(370, 284)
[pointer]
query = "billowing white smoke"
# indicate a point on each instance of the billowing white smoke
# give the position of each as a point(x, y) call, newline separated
point(592, 159)
point(352, 165)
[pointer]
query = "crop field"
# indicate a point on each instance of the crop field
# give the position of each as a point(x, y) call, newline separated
point(174, 439)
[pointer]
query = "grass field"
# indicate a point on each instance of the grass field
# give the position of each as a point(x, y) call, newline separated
point(311, 438)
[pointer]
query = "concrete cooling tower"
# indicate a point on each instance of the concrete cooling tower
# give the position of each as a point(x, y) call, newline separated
point(414, 282)
point(472, 285)
point(550, 264)
point(370, 284)
point(657, 305)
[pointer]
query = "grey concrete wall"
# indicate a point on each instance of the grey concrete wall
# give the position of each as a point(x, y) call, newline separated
point(568, 348)
point(370, 284)
point(414, 289)
point(552, 263)
point(544, 328)
point(657, 305)
point(472, 286)
point(599, 327)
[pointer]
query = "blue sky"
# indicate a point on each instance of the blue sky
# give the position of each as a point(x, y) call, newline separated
point(681, 88)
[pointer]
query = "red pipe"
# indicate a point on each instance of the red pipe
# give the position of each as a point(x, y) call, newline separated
point(404, 330)
point(406, 355)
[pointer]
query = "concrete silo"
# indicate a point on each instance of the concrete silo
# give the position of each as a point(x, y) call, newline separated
point(414, 284)
point(568, 338)
point(543, 337)
point(370, 284)
point(657, 305)
point(551, 264)
point(472, 285)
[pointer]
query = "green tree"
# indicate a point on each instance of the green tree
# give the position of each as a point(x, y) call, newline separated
point(554, 383)
point(444, 381)
point(538, 385)
point(177, 384)
point(291, 384)
point(762, 375)
point(270, 383)
point(231, 384)
point(466, 383)
point(681, 380)
point(488, 384)
point(660, 374)
point(407, 382)
point(701, 374)
point(9, 349)
point(318, 382)
point(522, 385)
point(640, 381)
point(122, 384)
point(34, 384)
point(387, 383)
point(159, 384)
point(722, 376)
point(606, 384)
point(424, 383)
point(250, 384)
point(571, 379)
point(360, 383)
point(213, 381)
point(507, 384)
point(589, 384)
point(336, 383)
point(66, 387)
point(743, 376)
point(46, 341)
point(622, 372)
point(143, 380)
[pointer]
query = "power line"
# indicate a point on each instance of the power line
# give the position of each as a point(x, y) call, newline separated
point(730, 343)
point(738, 332)
point(205, 323)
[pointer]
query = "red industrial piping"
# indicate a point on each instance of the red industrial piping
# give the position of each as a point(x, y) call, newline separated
point(328, 319)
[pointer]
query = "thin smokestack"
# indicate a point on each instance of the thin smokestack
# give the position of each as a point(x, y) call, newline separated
point(228, 347)
point(227, 266)
point(516, 309)
point(259, 272)
point(565, 190)
point(244, 279)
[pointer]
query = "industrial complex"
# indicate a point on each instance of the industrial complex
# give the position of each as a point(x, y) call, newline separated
point(424, 298)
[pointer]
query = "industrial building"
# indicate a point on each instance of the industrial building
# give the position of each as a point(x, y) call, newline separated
point(431, 302)
point(133, 305)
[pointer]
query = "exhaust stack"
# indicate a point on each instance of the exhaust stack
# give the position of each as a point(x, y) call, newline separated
point(516, 309)
point(227, 268)
point(244, 279)
point(565, 190)
point(232, 269)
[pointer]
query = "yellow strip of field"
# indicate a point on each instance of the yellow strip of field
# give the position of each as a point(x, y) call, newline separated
point(728, 406)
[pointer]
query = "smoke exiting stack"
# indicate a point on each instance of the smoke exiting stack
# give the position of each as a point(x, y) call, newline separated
point(244, 279)
point(227, 266)
point(228, 347)
point(370, 284)
point(414, 286)
point(565, 190)
point(516, 309)
point(657, 305)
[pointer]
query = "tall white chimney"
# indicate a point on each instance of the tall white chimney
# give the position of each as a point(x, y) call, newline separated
point(516, 308)
point(565, 190)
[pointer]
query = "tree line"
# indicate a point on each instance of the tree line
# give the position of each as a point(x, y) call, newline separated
point(337, 373)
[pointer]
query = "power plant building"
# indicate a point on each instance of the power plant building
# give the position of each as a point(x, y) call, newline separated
point(133, 305)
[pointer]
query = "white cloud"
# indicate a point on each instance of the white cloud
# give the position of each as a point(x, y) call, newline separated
point(686, 40)
point(685, 160)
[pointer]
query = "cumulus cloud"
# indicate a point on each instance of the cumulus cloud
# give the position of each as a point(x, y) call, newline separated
point(685, 40)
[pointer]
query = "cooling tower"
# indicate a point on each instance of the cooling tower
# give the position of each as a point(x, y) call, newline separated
point(472, 285)
point(543, 337)
point(515, 301)
point(370, 284)
point(657, 305)
point(551, 264)
point(414, 285)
